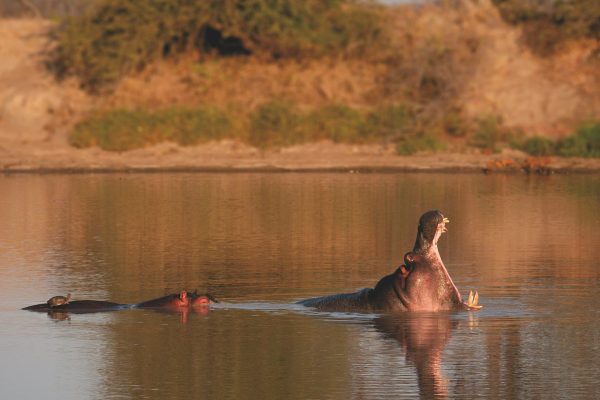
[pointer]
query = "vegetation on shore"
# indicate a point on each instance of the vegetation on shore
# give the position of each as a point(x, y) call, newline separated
point(584, 143)
point(120, 130)
point(491, 135)
point(281, 123)
point(117, 37)
point(277, 123)
point(548, 24)
point(414, 107)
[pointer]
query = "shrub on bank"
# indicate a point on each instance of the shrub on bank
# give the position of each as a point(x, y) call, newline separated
point(488, 134)
point(121, 130)
point(393, 122)
point(538, 146)
point(455, 125)
point(119, 36)
point(338, 123)
point(275, 124)
point(419, 142)
point(343, 124)
point(584, 143)
point(548, 24)
point(278, 123)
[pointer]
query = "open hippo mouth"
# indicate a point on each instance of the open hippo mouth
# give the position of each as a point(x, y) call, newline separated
point(441, 228)
point(443, 224)
point(431, 226)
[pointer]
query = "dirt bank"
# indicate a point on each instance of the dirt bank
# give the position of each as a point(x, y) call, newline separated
point(234, 156)
point(34, 108)
point(540, 96)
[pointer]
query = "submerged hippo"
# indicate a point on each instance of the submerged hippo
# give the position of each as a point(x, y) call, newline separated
point(421, 284)
point(182, 299)
point(201, 300)
point(175, 301)
point(79, 307)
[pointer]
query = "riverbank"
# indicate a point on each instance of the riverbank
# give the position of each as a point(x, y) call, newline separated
point(233, 156)
point(509, 96)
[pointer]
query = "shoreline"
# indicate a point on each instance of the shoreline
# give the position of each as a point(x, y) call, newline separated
point(230, 156)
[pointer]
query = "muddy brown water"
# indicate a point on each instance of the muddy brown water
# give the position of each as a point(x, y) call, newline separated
point(260, 242)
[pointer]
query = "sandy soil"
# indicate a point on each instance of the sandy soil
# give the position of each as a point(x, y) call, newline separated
point(234, 156)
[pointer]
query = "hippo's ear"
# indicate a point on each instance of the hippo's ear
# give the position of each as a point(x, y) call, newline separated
point(403, 270)
point(409, 258)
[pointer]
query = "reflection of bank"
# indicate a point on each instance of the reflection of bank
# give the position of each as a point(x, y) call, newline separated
point(421, 338)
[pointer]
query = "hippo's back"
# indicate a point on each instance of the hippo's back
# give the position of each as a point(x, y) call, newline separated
point(344, 302)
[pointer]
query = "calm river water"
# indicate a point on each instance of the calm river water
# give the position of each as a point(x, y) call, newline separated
point(260, 242)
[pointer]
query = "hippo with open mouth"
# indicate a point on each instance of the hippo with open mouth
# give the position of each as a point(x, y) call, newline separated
point(421, 284)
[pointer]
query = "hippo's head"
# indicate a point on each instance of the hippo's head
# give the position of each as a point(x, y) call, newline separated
point(202, 300)
point(431, 226)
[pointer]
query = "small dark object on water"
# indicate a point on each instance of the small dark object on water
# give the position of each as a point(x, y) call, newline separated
point(59, 300)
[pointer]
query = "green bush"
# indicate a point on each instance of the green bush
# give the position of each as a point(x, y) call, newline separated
point(280, 123)
point(119, 36)
point(121, 130)
point(277, 123)
point(455, 124)
point(420, 142)
point(390, 121)
point(117, 130)
point(548, 24)
point(538, 146)
point(189, 126)
point(584, 143)
point(488, 133)
point(338, 123)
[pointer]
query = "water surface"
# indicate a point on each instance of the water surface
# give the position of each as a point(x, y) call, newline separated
point(260, 242)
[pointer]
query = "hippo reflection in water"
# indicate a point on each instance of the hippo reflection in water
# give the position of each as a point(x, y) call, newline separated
point(421, 284)
point(422, 338)
point(183, 300)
